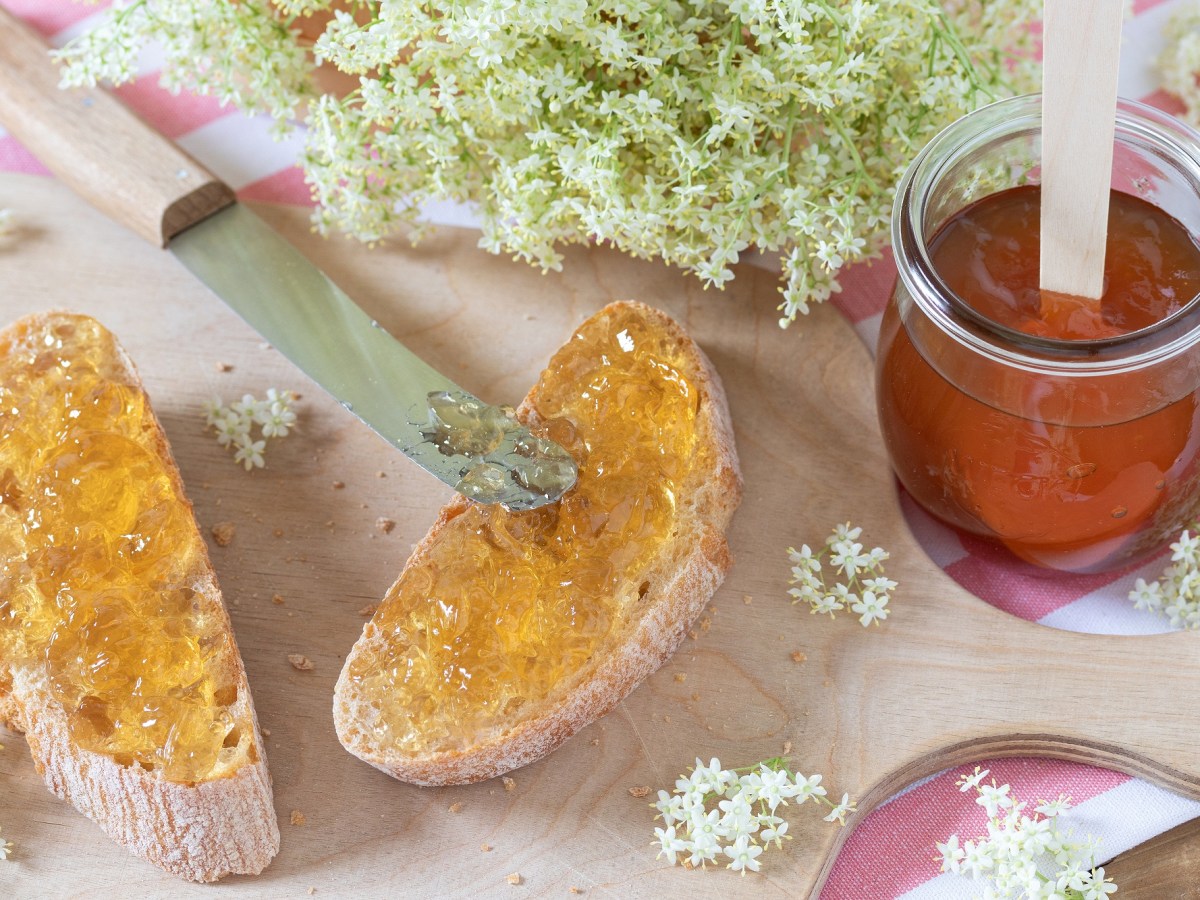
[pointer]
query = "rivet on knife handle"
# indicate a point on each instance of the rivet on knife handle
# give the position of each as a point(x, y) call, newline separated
point(100, 149)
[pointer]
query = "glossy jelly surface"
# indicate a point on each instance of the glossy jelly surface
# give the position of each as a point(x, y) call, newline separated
point(504, 606)
point(1076, 497)
point(97, 546)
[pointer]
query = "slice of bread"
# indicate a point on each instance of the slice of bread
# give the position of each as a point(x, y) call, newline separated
point(117, 658)
point(508, 632)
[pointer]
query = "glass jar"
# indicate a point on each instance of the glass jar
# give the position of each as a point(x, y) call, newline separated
point(1080, 456)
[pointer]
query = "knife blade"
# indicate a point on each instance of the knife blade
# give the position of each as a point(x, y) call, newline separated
point(143, 181)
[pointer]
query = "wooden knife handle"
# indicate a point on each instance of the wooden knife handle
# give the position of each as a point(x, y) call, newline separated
point(100, 149)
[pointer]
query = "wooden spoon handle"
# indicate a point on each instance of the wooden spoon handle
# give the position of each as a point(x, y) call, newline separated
point(1079, 102)
point(100, 149)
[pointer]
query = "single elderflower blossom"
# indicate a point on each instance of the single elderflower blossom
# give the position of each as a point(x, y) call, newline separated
point(232, 429)
point(213, 410)
point(250, 454)
point(1053, 808)
point(972, 781)
point(732, 812)
point(951, 855)
point(276, 416)
point(866, 591)
point(671, 845)
point(841, 810)
point(993, 798)
point(744, 855)
point(6, 848)
point(807, 788)
point(870, 608)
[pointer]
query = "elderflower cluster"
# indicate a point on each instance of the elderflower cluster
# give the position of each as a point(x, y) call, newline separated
point(689, 132)
point(1025, 857)
point(1179, 63)
point(234, 423)
point(716, 814)
point(865, 590)
point(1176, 594)
point(240, 52)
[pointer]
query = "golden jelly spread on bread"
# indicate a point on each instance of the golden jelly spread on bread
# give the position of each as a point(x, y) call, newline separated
point(504, 607)
point(99, 551)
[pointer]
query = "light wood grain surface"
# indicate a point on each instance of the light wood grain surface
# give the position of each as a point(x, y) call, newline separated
point(1165, 868)
point(871, 710)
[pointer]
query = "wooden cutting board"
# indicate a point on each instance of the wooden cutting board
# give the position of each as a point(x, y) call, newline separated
point(948, 679)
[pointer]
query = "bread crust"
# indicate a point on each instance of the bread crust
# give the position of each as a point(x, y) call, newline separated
point(200, 831)
point(687, 573)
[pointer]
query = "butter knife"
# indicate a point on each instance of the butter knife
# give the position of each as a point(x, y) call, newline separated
point(143, 181)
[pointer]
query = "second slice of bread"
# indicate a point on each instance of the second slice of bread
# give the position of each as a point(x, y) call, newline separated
point(676, 583)
point(224, 822)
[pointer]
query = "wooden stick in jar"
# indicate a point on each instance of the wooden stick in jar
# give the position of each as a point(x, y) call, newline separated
point(1079, 99)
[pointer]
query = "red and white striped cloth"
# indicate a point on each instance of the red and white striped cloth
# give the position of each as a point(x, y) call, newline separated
point(891, 853)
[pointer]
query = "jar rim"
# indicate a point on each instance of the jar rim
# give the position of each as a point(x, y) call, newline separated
point(953, 315)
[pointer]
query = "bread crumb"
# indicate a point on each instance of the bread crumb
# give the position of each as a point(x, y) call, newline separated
point(277, 599)
point(311, 891)
point(510, 784)
point(595, 742)
point(680, 677)
point(692, 635)
point(266, 732)
point(641, 790)
point(338, 485)
point(368, 610)
point(826, 683)
point(278, 532)
point(381, 474)
point(705, 624)
point(385, 525)
point(455, 807)
point(513, 878)
point(687, 864)
point(486, 848)
point(223, 533)
point(667, 719)
point(787, 747)
point(798, 657)
point(695, 698)
point(747, 599)
point(300, 662)
point(575, 890)
point(298, 818)
point(329, 524)
point(224, 367)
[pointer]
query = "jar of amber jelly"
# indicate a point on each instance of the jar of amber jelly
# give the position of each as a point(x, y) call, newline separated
point(1066, 430)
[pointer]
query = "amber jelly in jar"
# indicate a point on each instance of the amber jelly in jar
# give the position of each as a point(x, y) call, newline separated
point(1064, 429)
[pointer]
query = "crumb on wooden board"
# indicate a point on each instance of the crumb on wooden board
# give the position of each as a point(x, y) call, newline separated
point(223, 533)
